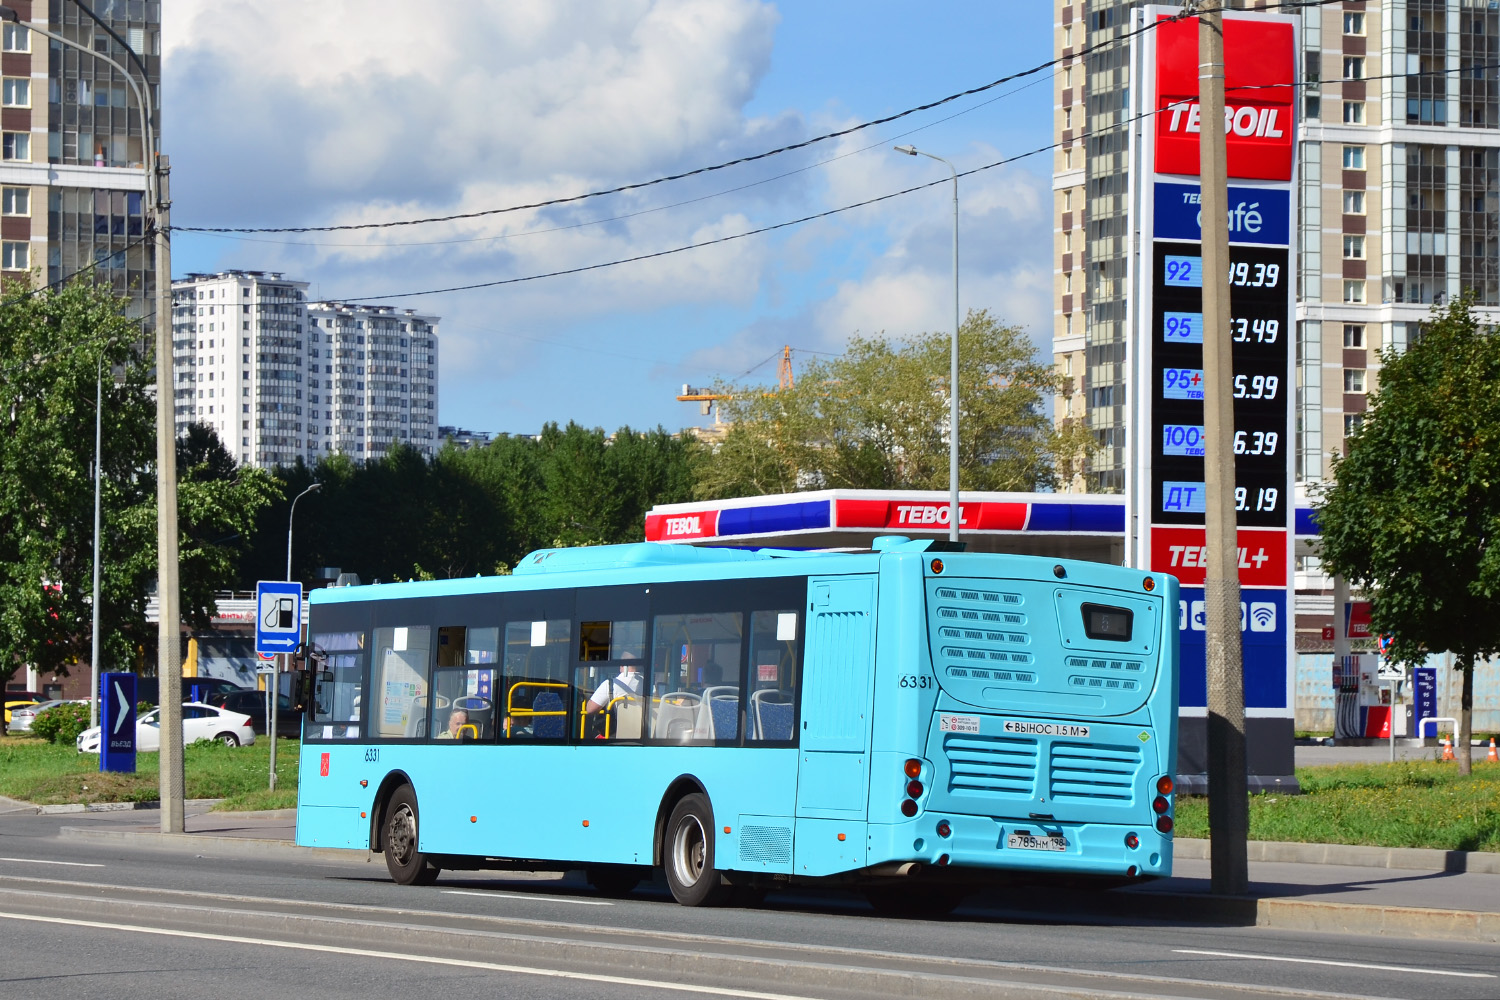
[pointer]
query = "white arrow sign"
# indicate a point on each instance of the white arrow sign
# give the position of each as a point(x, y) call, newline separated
point(284, 642)
point(124, 706)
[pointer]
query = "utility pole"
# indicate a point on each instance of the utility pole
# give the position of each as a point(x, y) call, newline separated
point(168, 630)
point(1228, 806)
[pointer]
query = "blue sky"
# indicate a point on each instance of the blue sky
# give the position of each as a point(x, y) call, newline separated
point(357, 112)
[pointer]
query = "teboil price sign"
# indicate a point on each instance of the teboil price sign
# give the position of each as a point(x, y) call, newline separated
point(1167, 494)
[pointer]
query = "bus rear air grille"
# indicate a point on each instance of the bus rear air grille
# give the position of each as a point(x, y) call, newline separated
point(994, 617)
point(1103, 683)
point(1087, 771)
point(990, 764)
point(1095, 663)
point(988, 596)
point(766, 844)
point(993, 655)
point(980, 635)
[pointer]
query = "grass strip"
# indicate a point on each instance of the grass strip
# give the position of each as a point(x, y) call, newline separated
point(1405, 804)
point(34, 770)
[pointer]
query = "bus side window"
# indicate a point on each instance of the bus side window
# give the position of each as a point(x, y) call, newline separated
point(402, 655)
point(695, 686)
point(534, 686)
point(337, 698)
point(469, 712)
point(608, 680)
point(772, 715)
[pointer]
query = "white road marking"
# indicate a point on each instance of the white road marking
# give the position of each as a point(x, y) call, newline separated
point(1329, 961)
point(527, 895)
point(39, 861)
point(326, 949)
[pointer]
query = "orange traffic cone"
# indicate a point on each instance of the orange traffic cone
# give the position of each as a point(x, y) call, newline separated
point(1493, 757)
point(1447, 749)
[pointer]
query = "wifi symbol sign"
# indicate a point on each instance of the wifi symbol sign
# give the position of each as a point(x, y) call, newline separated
point(1262, 616)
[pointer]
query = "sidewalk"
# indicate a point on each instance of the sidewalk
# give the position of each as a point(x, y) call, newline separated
point(1454, 896)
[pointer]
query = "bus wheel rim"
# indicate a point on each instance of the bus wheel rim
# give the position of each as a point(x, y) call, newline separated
point(689, 850)
point(403, 834)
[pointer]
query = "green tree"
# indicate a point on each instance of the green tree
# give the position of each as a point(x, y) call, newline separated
point(877, 418)
point(1415, 504)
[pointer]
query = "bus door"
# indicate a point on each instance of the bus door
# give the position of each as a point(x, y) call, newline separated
point(837, 695)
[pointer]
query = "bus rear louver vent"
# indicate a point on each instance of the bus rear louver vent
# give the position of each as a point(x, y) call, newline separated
point(1089, 772)
point(986, 596)
point(988, 617)
point(990, 764)
point(1103, 683)
point(983, 635)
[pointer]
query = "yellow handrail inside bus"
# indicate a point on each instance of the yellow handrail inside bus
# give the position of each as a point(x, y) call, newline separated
point(608, 714)
point(512, 712)
point(472, 729)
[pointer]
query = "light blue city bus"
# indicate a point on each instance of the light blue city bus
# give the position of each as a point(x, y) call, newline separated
point(914, 722)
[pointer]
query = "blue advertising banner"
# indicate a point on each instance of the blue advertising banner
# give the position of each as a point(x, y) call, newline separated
point(117, 724)
point(1262, 634)
point(1256, 215)
point(1424, 680)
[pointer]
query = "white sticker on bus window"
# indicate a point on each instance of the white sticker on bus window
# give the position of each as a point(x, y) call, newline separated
point(399, 642)
point(539, 633)
point(958, 723)
point(786, 626)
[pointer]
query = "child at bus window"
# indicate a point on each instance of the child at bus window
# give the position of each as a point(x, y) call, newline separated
point(457, 719)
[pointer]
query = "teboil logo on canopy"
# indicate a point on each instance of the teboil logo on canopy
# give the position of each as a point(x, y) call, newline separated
point(1260, 73)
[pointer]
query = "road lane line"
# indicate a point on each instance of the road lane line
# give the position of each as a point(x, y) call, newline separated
point(525, 895)
point(588, 977)
point(39, 861)
point(1329, 961)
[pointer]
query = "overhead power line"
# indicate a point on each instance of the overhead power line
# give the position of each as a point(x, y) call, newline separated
point(850, 207)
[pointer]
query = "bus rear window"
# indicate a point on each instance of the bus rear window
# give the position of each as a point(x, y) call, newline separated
point(1100, 621)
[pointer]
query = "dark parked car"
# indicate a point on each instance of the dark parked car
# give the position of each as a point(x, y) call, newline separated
point(253, 704)
point(148, 689)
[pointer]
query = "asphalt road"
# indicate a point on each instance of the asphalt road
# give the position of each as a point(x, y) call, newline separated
point(78, 920)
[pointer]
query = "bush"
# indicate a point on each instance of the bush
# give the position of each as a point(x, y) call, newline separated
point(62, 723)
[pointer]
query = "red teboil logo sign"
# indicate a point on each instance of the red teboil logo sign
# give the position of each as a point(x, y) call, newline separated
point(1260, 70)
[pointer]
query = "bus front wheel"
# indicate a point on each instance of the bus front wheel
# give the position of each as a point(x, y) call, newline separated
point(688, 854)
point(407, 865)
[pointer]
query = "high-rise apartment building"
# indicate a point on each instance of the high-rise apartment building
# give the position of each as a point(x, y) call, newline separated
point(1399, 202)
point(73, 162)
point(279, 378)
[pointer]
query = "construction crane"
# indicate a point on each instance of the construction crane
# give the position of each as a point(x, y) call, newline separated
point(705, 397)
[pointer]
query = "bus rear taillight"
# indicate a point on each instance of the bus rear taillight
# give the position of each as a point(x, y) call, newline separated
point(1160, 804)
point(943, 829)
point(913, 768)
point(908, 808)
point(1164, 784)
point(914, 789)
point(1132, 841)
point(1164, 824)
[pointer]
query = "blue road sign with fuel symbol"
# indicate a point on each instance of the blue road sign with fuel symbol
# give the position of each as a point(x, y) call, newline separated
point(278, 616)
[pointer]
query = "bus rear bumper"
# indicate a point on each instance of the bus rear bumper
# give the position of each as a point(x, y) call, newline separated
point(1004, 844)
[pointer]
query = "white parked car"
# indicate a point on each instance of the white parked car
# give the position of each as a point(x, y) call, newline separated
point(199, 722)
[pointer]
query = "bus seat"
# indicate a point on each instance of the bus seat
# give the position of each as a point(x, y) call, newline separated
point(416, 718)
point(773, 713)
point(718, 713)
point(480, 710)
point(627, 719)
point(548, 727)
point(675, 717)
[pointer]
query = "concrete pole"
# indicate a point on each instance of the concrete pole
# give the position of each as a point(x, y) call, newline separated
point(98, 462)
point(1228, 806)
point(168, 631)
point(953, 507)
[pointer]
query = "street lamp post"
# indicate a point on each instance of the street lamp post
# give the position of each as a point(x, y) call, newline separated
point(98, 466)
point(953, 508)
point(169, 655)
point(275, 697)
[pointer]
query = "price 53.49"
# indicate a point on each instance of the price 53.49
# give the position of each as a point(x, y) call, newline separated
point(1259, 331)
point(1256, 386)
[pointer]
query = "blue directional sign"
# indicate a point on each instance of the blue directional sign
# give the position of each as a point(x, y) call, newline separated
point(278, 616)
point(117, 724)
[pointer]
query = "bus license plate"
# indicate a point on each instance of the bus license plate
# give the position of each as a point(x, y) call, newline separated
point(1026, 842)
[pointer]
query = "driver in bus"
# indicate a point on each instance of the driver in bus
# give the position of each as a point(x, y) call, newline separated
point(626, 682)
point(457, 719)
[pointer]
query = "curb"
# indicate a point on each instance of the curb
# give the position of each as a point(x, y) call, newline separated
point(1403, 858)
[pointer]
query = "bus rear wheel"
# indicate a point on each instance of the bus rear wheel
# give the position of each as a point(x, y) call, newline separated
point(688, 854)
point(407, 865)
